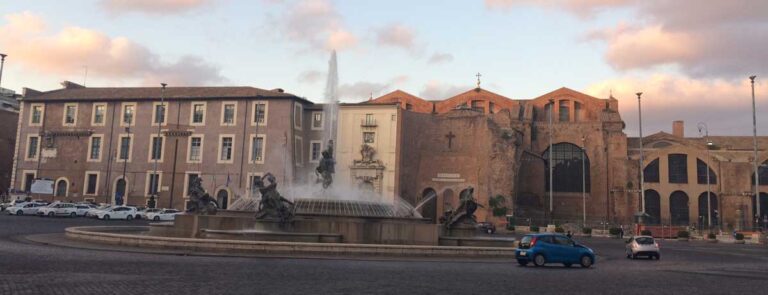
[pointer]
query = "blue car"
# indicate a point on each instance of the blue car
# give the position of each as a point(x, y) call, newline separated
point(541, 249)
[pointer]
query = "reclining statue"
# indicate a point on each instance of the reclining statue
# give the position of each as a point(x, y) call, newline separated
point(201, 202)
point(465, 214)
point(272, 204)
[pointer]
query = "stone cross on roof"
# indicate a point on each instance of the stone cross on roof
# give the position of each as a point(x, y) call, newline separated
point(478, 79)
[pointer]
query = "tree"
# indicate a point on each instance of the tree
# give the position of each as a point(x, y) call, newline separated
point(497, 204)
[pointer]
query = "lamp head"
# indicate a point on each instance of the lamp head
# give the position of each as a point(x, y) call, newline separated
point(163, 84)
point(3, 55)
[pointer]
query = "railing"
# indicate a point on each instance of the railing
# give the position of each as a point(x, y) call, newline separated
point(368, 122)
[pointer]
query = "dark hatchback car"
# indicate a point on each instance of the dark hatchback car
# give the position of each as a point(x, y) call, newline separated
point(541, 249)
point(486, 227)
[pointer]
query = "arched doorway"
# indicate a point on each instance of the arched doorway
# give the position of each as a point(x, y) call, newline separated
point(62, 188)
point(429, 209)
point(118, 198)
point(678, 208)
point(222, 197)
point(703, 215)
point(763, 208)
point(652, 206)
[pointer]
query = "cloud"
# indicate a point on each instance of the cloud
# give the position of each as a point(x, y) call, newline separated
point(316, 24)
point(704, 39)
point(725, 105)
point(438, 90)
point(27, 39)
point(439, 58)
point(362, 90)
point(397, 35)
point(152, 6)
point(311, 76)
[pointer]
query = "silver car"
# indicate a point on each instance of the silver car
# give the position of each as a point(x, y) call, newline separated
point(643, 246)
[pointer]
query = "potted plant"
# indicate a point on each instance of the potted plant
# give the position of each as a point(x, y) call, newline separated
point(683, 236)
point(739, 238)
point(645, 232)
point(614, 232)
point(712, 238)
point(534, 229)
point(587, 232)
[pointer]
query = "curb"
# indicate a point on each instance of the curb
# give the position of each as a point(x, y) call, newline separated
point(106, 235)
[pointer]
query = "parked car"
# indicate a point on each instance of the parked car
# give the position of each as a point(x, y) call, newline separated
point(486, 227)
point(92, 212)
point(642, 246)
point(58, 209)
point(82, 209)
point(28, 208)
point(165, 214)
point(142, 214)
point(546, 248)
point(119, 212)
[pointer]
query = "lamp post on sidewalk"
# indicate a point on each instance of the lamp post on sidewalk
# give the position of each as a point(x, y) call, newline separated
point(642, 177)
point(754, 139)
point(583, 181)
point(156, 150)
point(703, 127)
point(549, 158)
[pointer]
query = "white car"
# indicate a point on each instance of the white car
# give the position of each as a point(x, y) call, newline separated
point(643, 246)
point(24, 208)
point(58, 209)
point(142, 214)
point(166, 214)
point(119, 212)
point(82, 209)
point(92, 212)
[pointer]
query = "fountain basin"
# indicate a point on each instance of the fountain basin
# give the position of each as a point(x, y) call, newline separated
point(259, 235)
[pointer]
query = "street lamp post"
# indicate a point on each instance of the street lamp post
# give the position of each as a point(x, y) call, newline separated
point(551, 180)
point(156, 150)
point(125, 161)
point(642, 177)
point(583, 181)
point(703, 126)
point(754, 139)
point(2, 64)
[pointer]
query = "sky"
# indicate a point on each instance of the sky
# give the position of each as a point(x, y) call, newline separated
point(690, 58)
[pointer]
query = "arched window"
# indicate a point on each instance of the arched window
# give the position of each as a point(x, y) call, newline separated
point(703, 215)
point(222, 197)
point(651, 171)
point(678, 208)
point(762, 170)
point(701, 173)
point(62, 187)
point(678, 168)
point(567, 168)
point(652, 206)
point(565, 114)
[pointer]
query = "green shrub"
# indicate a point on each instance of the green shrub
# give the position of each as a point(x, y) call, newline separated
point(711, 236)
point(739, 236)
point(534, 228)
point(614, 231)
point(559, 230)
point(587, 230)
point(683, 234)
point(645, 232)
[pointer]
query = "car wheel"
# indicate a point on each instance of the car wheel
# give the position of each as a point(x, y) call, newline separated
point(157, 218)
point(19, 213)
point(657, 256)
point(106, 217)
point(73, 214)
point(138, 217)
point(129, 217)
point(585, 261)
point(51, 214)
point(539, 260)
point(522, 262)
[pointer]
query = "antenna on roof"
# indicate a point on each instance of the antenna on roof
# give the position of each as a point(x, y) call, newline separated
point(370, 97)
point(85, 76)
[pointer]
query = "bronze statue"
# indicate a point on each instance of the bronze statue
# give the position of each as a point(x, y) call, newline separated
point(201, 202)
point(466, 211)
point(326, 168)
point(272, 204)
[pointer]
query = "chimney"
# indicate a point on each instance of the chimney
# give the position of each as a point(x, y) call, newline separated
point(678, 128)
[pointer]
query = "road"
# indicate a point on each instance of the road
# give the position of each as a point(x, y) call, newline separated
point(685, 268)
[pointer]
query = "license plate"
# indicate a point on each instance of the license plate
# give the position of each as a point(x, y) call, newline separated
point(522, 253)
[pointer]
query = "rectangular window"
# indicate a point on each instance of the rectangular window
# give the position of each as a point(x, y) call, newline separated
point(153, 182)
point(29, 178)
point(70, 114)
point(125, 148)
point(91, 180)
point(99, 112)
point(257, 148)
point(316, 148)
point(195, 149)
point(228, 114)
point(297, 116)
point(678, 168)
point(297, 153)
point(369, 120)
point(36, 118)
point(565, 114)
point(33, 146)
point(190, 180)
point(253, 187)
point(95, 154)
point(226, 149)
point(157, 148)
point(198, 113)
point(159, 114)
point(477, 105)
point(317, 120)
point(259, 113)
point(369, 137)
point(129, 111)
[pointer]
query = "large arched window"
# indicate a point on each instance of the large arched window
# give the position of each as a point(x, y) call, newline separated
point(703, 215)
point(763, 207)
point(678, 168)
point(652, 207)
point(567, 168)
point(701, 173)
point(651, 172)
point(678, 208)
point(763, 172)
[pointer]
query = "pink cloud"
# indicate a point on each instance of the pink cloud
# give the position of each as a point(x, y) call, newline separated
point(397, 35)
point(435, 89)
point(152, 6)
point(316, 24)
point(66, 52)
point(439, 58)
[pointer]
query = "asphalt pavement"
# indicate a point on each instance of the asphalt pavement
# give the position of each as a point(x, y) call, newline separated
point(32, 267)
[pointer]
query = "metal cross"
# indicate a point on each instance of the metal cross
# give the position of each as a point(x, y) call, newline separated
point(478, 79)
point(450, 137)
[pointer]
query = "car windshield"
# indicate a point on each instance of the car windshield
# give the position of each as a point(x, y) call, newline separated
point(644, 241)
